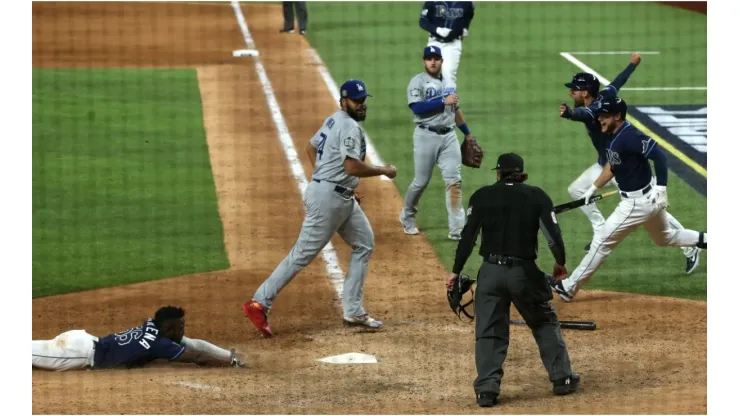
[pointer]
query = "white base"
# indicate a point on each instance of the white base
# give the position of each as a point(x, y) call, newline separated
point(245, 52)
point(350, 358)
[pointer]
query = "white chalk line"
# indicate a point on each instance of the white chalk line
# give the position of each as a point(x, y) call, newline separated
point(614, 52)
point(328, 254)
point(333, 88)
point(197, 386)
point(575, 61)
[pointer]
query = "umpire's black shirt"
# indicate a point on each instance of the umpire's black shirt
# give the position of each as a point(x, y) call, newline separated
point(510, 215)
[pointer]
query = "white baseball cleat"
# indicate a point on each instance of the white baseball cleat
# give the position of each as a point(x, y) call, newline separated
point(362, 320)
point(408, 226)
point(454, 236)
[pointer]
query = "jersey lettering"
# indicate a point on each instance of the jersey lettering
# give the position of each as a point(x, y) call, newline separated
point(320, 148)
point(125, 337)
point(330, 123)
point(613, 157)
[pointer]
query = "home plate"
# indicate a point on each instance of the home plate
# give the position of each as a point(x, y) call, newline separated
point(350, 358)
point(245, 52)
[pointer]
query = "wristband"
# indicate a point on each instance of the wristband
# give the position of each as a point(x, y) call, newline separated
point(464, 128)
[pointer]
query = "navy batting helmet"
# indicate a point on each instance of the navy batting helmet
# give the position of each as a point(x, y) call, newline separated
point(613, 105)
point(583, 81)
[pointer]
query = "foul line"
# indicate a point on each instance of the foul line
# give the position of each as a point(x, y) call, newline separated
point(331, 84)
point(614, 52)
point(329, 254)
point(666, 145)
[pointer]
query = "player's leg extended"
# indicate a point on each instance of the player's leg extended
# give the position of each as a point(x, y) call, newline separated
point(664, 234)
point(358, 234)
point(580, 186)
point(628, 215)
point(71, 350)
point(450, 162)
point(426, 147)
point(324, 215)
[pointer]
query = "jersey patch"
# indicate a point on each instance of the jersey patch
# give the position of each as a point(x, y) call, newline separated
point(349, 143)
point(415, 92)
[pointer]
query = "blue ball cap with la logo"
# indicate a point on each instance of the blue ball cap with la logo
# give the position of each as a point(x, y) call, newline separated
point(432, 50)
point(354, 89)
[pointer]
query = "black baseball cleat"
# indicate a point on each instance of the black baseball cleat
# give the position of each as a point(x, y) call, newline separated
point(558, 288)
point(566, 385)
point(693, 262)
point(487, 399)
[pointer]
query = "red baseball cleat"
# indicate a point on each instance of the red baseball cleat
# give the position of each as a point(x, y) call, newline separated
point(256, 313)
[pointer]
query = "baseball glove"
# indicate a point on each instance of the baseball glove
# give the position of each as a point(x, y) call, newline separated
point(462, 285)
point(472, 153)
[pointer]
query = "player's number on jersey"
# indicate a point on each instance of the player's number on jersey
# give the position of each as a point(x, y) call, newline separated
point(125, 337)
point(320, 148)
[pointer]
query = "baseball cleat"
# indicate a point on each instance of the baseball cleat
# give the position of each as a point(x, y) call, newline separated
point(408, 226)
point(566, 385)
point(487, 399)
point(256, 313)
point(362, 320)
point(287, 31)
point(693, 262)
point(454, 236)
point(558, 288)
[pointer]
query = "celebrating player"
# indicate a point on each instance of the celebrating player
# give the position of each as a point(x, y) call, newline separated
point(643, 203)
point(448, 23)
point(584, 89)
point(435, 106)
point(162, 337)
point(337, 152)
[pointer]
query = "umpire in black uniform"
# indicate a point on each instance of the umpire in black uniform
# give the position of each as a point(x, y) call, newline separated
point(510, 214)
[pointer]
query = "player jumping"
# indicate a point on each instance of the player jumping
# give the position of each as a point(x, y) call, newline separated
point(584, 89)
point(644, 198)
point(161, 337)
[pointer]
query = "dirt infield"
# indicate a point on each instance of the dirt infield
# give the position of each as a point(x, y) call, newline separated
point(648, 355)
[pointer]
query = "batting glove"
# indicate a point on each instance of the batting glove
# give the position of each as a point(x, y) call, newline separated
point(660, 197)
point(443, 31)
point(589, 193)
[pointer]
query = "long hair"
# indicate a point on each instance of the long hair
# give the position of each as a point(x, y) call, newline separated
point(511, 176)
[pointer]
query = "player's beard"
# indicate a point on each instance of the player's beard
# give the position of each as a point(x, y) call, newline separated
point(355, 116)
point(435, 73)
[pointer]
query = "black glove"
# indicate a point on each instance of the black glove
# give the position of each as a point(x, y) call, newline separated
point(462, 285)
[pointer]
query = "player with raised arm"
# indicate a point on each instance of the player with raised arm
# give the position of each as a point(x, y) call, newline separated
point(584, 89)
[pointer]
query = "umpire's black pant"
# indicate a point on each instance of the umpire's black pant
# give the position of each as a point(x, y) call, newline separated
point(288, 16)
point(526, 286)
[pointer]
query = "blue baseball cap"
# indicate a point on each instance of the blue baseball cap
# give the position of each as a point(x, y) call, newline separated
point(354, 89)
point(432, 50)
point(583, 81)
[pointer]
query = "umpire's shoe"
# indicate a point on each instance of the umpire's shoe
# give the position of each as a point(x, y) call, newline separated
point(558, 288)
point(566, 385)
point(487, 399)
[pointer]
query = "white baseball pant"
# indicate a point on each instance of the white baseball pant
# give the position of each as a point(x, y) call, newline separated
point(71, 350)
point(633, 211)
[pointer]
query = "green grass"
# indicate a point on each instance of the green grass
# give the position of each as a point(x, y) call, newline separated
point(122, 184)
point(510, 82)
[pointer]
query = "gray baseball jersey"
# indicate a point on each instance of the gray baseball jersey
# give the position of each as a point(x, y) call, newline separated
point(338, 138)
point(425, 87)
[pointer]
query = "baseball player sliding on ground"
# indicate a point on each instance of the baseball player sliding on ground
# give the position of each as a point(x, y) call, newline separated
point(643, 203)
point(162, 337)
point(337, 152)
point(434, 103)
point(448, 23)
point(584, 89)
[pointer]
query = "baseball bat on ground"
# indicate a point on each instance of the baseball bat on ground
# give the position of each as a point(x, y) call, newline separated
point(581, 202)
point(582, 325)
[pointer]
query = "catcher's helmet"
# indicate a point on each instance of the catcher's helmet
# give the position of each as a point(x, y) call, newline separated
point(583, 81)
point(462, 285)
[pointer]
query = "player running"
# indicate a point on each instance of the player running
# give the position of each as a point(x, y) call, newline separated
point(584, 89)
point(643, 203)
point(161, 337)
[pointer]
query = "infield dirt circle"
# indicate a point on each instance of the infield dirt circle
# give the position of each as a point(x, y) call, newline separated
point(648, 355)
